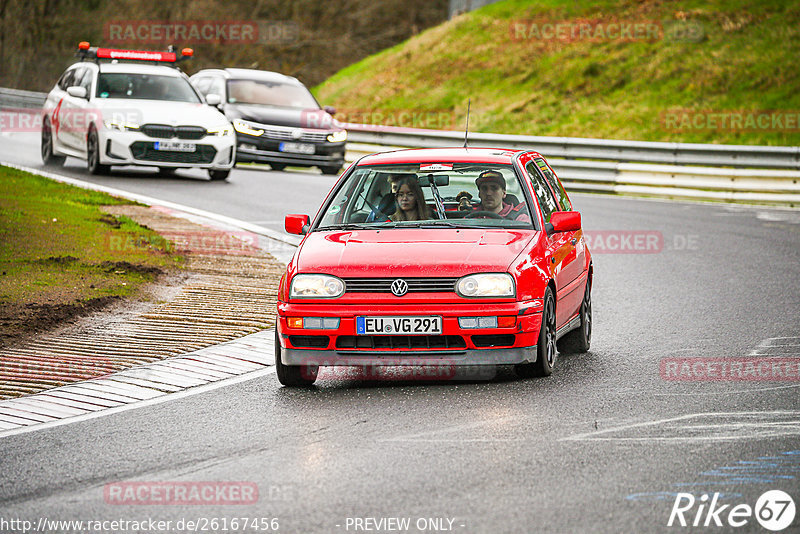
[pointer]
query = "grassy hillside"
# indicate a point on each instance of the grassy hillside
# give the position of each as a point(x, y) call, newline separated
point(710, 62)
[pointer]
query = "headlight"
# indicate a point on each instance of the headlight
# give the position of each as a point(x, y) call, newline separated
point(221, 131)
point(243, 127)
point(120, 126)
point(486, 285)
point(319, 286)
point(338, 137)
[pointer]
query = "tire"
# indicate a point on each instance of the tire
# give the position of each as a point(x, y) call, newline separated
point(331, 170)
point(93, 154)
point(219, 175)
point(578, 341)
point(293, 375)
point(277, 166)
point(546, 353)
point(48, 158)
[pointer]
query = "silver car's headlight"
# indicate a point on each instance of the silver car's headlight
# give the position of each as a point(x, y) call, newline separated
point(316, 286)
point(486, 285)
point(222, 131)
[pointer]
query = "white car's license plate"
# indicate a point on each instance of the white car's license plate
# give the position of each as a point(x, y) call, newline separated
point(401, 325)
point(297, 148)
point(175, 146)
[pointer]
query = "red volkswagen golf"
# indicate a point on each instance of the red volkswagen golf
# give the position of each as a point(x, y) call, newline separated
point(456, 257)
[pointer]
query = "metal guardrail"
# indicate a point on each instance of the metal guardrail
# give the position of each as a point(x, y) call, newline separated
point(733, 173)
point(14, 98)
point(781, 157)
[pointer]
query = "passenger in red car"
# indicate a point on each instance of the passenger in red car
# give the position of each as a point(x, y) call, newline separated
point(410, 201)
point(492, 192)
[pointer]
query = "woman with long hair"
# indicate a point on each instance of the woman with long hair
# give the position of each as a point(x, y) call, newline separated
point(411, 204)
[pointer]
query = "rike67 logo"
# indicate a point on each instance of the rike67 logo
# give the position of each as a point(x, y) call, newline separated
point(774, 510)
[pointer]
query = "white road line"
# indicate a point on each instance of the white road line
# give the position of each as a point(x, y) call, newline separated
point(794, 428)
point(141, 404)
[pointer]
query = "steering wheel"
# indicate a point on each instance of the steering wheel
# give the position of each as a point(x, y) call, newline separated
point(483, 214)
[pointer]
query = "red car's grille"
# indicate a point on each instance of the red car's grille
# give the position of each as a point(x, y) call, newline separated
point(415, 285)
point(400, 342)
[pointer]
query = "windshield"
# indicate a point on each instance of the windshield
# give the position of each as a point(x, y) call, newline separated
point(429, 195)
point(145, 87)
point(265, 93)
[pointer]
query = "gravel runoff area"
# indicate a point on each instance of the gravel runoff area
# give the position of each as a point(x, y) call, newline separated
point(227, 290)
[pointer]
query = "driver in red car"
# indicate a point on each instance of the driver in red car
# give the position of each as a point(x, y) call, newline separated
point(492, 192)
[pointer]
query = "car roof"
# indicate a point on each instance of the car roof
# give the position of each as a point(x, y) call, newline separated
point(252, 74)
point(442, 155)
point(138, 68)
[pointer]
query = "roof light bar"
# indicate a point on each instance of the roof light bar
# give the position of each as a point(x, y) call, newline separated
point(85, 51)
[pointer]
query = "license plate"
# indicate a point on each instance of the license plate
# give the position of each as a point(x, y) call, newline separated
point(297, 148)
point(175, 146)
point(403, 325)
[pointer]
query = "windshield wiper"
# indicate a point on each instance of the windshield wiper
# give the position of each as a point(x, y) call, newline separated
point(354, 226)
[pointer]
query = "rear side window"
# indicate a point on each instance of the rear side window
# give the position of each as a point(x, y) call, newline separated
point(543, 194)
point(563, 200)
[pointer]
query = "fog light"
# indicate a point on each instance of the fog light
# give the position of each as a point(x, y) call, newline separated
point(477, 322)
point(321, 323)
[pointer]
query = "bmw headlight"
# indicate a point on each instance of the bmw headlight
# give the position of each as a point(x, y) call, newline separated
point(338, 137)
point(222, 131)
point(243, 127)
point(486, 285)
point(316, 286)
point(120, 126)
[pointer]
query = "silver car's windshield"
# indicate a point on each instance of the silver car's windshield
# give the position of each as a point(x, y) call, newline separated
point(270, 94)
point(429, 195)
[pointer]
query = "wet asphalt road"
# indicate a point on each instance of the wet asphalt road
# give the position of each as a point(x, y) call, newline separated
point(603, 445)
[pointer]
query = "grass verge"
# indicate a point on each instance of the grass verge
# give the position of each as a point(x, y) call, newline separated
point(714, 71)
point(60, 254)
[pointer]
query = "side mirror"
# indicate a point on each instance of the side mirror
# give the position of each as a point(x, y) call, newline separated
point(213, 99)
point(565, 221)
point(297, 224)
point(76, 91)
point(330, 110)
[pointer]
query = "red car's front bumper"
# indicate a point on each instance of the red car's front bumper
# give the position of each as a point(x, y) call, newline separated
point(455, 346)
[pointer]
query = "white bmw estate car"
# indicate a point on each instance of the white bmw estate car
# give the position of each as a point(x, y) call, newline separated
point(125, 107)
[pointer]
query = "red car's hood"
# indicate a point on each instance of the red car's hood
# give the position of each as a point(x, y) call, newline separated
point(411, 252)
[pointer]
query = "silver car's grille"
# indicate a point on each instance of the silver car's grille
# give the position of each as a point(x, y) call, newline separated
point(287, 134)
point(415, 285)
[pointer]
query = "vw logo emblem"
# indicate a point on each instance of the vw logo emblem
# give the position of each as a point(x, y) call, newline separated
point(399, 287)
point(297, 133)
